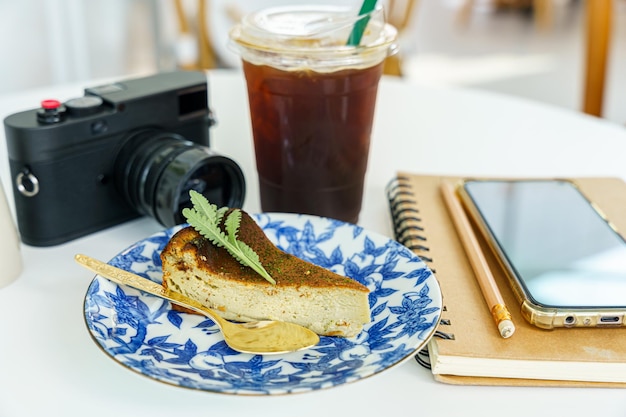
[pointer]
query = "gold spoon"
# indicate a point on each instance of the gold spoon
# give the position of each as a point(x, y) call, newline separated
point(258, 337)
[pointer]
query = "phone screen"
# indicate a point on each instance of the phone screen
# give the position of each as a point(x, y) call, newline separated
point(560, 249)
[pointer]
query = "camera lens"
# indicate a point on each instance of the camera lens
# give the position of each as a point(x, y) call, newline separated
point(156, 170)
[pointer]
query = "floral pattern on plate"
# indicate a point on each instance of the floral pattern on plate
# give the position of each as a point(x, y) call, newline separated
point(143, 333)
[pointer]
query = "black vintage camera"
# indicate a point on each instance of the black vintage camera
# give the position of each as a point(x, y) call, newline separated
point(122, 150)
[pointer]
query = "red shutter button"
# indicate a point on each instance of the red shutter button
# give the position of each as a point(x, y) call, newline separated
point(50, 104)
point(51, 111)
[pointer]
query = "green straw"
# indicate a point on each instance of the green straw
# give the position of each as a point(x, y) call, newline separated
point(361, 24)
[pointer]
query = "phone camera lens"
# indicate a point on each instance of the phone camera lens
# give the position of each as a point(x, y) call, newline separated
point(569, 320)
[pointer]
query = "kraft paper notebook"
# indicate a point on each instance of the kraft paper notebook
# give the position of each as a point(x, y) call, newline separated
point(468, 348)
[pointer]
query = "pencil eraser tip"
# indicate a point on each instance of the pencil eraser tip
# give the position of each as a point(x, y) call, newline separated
point(507, 328)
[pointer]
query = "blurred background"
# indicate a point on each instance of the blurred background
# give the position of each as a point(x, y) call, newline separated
point(528, 48)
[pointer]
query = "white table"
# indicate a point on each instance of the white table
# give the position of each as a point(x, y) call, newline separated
point(49, 366)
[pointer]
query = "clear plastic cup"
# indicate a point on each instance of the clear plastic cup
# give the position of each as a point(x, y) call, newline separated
point(312, 101)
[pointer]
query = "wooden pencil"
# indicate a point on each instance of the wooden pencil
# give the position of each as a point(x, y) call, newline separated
point(488, 286)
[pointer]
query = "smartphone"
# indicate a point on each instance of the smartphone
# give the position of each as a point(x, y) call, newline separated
point(565, 261)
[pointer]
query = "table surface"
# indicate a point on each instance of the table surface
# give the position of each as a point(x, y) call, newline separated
point(50, 366)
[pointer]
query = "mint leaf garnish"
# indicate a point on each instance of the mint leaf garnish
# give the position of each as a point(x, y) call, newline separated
point(206, 217)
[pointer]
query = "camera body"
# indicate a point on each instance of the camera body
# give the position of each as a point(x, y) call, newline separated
point(64, 158)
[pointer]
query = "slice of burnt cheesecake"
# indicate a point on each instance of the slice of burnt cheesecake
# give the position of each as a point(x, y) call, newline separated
point(311, 296)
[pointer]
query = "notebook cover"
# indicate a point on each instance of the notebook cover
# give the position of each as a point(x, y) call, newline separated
point(469, 319)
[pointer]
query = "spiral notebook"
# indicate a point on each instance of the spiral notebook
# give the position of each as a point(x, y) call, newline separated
point(467, 348)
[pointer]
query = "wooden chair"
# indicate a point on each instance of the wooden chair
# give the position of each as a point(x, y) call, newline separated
point(598, 17)
point(206, 56)
point(399, 14)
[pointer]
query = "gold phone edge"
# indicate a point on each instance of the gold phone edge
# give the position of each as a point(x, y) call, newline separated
point(539, 316)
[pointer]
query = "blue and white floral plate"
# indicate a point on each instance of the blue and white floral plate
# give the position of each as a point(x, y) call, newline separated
point(143, 333)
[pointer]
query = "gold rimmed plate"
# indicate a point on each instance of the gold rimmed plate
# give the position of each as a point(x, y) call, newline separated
point(144, 334)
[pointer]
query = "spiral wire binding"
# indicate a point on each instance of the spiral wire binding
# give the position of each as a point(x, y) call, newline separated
point(409, 232)
point(405, 216)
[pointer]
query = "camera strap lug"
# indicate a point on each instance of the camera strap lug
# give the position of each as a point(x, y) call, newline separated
point(27, 183)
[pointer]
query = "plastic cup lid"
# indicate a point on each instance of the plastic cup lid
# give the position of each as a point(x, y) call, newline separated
point(311, 36)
